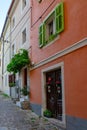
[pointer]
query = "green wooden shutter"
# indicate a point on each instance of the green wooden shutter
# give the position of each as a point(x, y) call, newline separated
point(41, 35)
point(44, 34)
point(59, 18)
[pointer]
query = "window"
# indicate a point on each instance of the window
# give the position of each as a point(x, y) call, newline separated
point(11, 78)
point(13, 22)
point(52, 26)
point(24, 36)
point(50, 30)
point(23, 4)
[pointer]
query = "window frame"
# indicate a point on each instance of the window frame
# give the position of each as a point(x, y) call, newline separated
point(24, 35)
point(23, 4)
point(13, 22)
point(13, 50)
point(50, 18)
point(56, 19)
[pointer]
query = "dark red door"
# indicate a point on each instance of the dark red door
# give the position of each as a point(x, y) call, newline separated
point(54, 93)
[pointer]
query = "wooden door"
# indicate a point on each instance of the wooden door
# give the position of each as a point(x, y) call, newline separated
point(25, 77)
point(54, 93)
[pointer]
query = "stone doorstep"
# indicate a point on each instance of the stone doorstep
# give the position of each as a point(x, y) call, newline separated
point(3, 128)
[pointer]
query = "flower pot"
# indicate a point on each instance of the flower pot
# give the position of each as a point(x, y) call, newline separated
point(21, 99)
point(26, 97)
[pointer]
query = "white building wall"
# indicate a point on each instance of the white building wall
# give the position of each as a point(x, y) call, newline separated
point(0, 68)
point(6, 59)
point(14, 36)
point(22, 20)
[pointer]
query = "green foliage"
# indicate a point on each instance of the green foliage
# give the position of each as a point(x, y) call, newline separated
point(58, 18)
point(24, 91)
point(47, 113)
point(11, 84)
point(51, 38)
point(5, 95)
point(19, 60)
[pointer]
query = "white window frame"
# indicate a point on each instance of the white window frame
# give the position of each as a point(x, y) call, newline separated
point(43, 73)
point(13, 22)
point(24, 35)
point(24, 3)
point(13, 50)
point(52, 18)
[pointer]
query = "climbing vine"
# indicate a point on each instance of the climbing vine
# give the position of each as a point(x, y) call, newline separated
point(19, 60)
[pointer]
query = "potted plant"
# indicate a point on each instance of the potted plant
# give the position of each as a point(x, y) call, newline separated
point(24, 100)
point(47, 113)
point(25, 92)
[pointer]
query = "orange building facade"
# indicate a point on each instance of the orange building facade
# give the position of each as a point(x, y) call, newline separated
point(58, 80)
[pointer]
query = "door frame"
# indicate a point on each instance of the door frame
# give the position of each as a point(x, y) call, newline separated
point(43, 84)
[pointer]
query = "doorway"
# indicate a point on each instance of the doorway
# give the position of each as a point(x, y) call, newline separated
point(25, 78)
point(54, 93)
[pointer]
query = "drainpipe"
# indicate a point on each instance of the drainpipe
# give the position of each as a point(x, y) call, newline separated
point(10, 43)
point(2, 59)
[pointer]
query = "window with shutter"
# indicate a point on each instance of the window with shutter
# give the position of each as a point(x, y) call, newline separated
point(52, 26)
point(59, 18)
point(41, 35)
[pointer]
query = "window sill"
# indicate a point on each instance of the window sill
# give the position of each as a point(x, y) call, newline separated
point(51, 42)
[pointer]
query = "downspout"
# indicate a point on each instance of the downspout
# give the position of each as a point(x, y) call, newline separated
point(10, 45)
point(2, 60)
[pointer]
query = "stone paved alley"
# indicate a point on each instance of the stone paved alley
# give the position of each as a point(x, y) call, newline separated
point(14, 118)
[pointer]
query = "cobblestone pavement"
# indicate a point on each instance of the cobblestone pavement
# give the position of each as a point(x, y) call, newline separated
point(14, 118)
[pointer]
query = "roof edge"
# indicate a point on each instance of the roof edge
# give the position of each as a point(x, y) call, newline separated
point(7, 16)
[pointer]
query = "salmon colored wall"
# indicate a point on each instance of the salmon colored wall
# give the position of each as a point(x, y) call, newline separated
point(75, 26)
point(35, 87)
point(75, 64)
point(75, 82)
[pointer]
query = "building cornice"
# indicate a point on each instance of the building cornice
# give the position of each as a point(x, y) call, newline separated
point(11, 5)
point(66, 51)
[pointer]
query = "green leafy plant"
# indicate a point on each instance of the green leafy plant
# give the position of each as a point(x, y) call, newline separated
point(24, 91)
point(11, 84)
point(33, 119)
point(47, 113)
point(19, 60)
point(51, 38)
point(5, 95)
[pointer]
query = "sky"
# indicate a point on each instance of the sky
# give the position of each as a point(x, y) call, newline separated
point(4, 6)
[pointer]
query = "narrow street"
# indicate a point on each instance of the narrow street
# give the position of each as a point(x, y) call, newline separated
point(14, 118)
